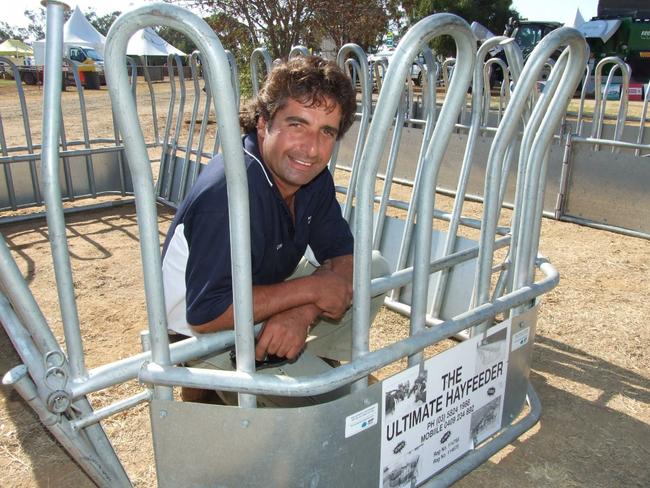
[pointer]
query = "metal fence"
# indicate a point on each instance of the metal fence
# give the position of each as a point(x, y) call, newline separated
point(444, 282)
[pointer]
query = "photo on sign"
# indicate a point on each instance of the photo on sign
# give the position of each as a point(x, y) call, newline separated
point(403, 474)
point(406, 396)
point(485, 421)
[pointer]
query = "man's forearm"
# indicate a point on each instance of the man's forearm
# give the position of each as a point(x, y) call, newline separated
point(268, 300)
point(327, 290)
point(343, 266)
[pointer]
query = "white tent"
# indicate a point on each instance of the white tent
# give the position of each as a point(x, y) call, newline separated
point(146, 42)
point(77, 31)
point(575, 20)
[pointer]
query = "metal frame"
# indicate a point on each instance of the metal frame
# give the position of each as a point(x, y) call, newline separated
point(53, 382)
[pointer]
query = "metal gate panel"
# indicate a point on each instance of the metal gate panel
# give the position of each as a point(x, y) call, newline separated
point(106, 172)
point(448, 178)
point(609, 188)
point(200, 445)
point(458, 296)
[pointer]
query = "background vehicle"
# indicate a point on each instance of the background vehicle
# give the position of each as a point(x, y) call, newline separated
point(622, 28)
point(88, 61)
point(416, 69)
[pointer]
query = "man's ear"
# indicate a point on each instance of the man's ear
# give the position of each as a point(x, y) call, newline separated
point(261, 124)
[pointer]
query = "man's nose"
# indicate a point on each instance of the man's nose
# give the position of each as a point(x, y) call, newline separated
point(310, 144)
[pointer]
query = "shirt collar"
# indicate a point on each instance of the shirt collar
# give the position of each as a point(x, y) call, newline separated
point(252, 149)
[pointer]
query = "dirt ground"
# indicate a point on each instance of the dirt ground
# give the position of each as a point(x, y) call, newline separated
point(591, 365)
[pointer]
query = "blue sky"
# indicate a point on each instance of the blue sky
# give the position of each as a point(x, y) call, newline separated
point(555, 10)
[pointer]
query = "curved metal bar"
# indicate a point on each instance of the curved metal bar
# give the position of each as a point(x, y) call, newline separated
point(390, 171)
point(480, 84)
point(218, 73)
point(506, 132)
point(600, 101)
point(419, 35)
point(298, 51)
point(379, 68)
point(182, 187)
point(360, 367)
point(259, 54)
point(366, 102)
point(51, 124)
point(194, 57)
point(171, 163)
point(152, 98)
point(487, 69)
point(164, 156)
point(583, 96)
point(644, 113)
point(448, 71)
point(234, 74)
point(90, 173)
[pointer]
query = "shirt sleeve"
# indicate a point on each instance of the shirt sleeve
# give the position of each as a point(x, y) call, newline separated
point(208, 275)
point(329, 233)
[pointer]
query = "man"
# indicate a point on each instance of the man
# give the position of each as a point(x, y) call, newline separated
point(305, 106)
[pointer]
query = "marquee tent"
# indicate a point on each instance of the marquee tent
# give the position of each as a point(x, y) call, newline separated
point(146, 42)
point(76, 31)
point(15, 48)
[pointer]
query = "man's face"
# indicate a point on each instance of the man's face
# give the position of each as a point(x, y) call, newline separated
point(297, 145)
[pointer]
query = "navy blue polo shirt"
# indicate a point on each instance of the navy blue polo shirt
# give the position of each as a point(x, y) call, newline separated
point(196, 256)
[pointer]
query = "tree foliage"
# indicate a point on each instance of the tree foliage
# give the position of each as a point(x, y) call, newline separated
point(279, 25)
point(493, 14)
point(101, 22)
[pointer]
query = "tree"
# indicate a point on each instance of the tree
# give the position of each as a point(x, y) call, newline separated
point(282, 24)
point(370, 19)
point(101, 23)
point(493, 14)
point(10, 32)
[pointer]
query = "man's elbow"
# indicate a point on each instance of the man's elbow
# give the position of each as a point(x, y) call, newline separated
point(223, 322)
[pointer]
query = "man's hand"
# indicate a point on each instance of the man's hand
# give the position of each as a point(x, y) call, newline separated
point(284, 334)
point(334, 292)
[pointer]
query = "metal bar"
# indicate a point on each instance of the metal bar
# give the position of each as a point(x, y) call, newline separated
point(52, 192)
point(366, 103)
point(90, 173)
point(117, 407)
point(298, 51)
point(479, 85)
point(642, 122)
point(263, 54)
point(171, 163)
point(418, 36)
point(74, 443)
point(218, 74)
point(506, 133)
point(478, 456)
point(360, 367)
point(39, 215)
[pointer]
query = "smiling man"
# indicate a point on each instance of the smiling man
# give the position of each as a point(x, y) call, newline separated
point(290, 130)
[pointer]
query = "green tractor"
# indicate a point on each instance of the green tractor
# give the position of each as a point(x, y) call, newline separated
point(622, 28)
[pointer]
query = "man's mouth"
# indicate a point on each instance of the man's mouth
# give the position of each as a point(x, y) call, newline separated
point(301, 162)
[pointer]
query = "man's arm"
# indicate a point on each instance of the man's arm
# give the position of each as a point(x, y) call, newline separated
point(327, 290)
point(284, 334)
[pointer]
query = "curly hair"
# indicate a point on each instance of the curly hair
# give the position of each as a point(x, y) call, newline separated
point(310, 80)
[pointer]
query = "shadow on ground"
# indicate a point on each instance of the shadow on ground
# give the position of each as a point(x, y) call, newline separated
point(579, 442)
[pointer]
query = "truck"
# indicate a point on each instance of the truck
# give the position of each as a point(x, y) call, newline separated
point(621, 28)
point(89, 63)
point(527, 33)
